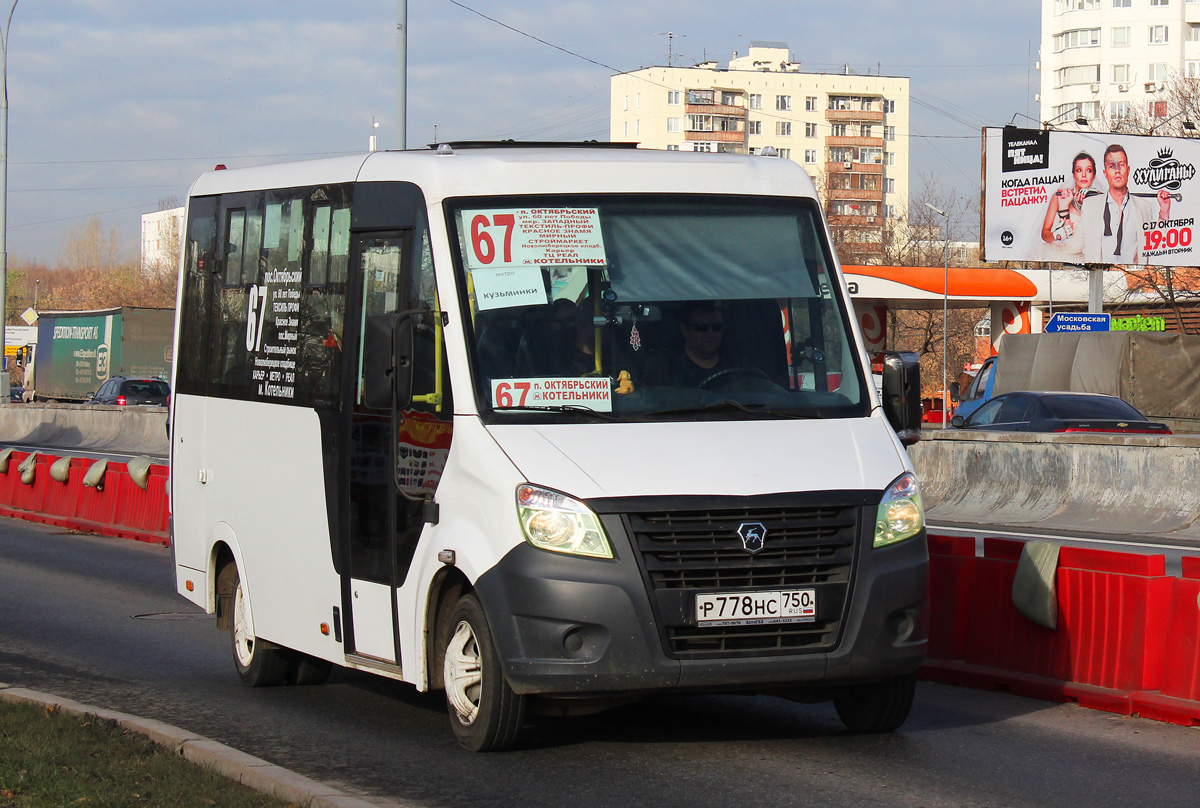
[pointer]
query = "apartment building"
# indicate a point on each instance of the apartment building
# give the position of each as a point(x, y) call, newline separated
point(1105, 60)
point(849, 131)
point(162, 234)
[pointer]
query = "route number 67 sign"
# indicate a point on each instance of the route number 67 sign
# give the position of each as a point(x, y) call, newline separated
point(519, 237)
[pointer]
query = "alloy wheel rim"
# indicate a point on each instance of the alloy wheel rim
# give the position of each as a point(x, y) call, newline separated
point(463, 673)
point(243, 629)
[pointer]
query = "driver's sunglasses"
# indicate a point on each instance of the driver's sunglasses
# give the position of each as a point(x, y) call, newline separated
point(700, 328)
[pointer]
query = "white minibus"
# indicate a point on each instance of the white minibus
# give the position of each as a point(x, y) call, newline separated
point(547, 427)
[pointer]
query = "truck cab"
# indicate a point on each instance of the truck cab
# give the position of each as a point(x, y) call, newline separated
point(978, 391)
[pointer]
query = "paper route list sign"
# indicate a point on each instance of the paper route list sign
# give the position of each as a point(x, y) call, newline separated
point(532, 237)
point(593, 393)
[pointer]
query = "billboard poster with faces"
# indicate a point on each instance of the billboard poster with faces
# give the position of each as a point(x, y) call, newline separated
point(1089, 198)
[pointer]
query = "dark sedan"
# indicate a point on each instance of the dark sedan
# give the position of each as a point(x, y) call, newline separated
point(122, 392)
point(1059, 412)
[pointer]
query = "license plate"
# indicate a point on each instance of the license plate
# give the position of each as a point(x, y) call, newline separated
point(756, 608)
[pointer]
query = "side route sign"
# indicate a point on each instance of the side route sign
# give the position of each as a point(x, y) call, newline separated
point(1077, 321)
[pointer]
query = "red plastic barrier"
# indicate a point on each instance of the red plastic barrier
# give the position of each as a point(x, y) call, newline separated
point(1002, 640)
point(1113, 627)
point(1082, 558)
point(144, 510)
point(1179, 699)
point(120, 508)
point(60, 498)
point(29, 497)
point(1128, 636)
point(951, 576)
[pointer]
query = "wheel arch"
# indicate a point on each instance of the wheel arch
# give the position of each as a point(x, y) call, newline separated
point(448, 585)
point(224, 556)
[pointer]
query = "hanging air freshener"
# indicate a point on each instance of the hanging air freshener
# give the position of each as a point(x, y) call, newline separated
point(635, 339)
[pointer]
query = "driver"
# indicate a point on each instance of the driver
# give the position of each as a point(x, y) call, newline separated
point(702, 326)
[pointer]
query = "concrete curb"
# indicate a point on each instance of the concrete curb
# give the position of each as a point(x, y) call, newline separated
point(238, 766)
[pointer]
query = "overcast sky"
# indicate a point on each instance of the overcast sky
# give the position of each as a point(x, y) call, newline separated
point(117, 105)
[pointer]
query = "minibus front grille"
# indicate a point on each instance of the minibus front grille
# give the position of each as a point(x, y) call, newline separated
point(702, 550)
point(690, 641)
point(685, 552)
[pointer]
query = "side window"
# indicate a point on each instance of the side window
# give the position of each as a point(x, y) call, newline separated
point(235, 246)
point(276, 314)
point(981, 379)
point(200, 254)
point(1015, 410)
point(428, 328)
point(986, 414)
point(318, 262)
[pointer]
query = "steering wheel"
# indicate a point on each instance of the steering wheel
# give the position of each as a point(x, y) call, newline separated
point(729, 373)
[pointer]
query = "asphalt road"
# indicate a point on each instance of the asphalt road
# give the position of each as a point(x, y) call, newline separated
point(97, 620)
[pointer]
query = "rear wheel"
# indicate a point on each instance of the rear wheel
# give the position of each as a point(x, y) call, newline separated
point(879, 706)
point(259, 663)
point(485, 714)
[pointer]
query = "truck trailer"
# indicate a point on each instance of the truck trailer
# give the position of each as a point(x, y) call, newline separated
point(80, 350)
point(1159, 374)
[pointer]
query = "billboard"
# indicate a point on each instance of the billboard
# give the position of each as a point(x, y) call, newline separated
point(1089, 198)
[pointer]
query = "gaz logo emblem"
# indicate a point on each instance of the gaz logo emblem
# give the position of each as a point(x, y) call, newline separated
point(752, 535)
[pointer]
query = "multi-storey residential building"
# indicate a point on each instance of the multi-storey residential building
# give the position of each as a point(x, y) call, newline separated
point(850, 131)
point(162, 234)
point(1105, 60)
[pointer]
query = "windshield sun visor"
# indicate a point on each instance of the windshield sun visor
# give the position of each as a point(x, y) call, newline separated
point(729, 256)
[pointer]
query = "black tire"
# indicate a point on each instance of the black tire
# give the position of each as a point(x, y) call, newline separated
point(259, 663)
point(879, 706)
point(485, 714)
point(305, 670)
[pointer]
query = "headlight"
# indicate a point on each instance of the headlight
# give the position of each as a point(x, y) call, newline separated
point(556, 522)
point(900, 515)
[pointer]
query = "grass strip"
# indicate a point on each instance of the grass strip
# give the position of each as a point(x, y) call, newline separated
point(49, 759)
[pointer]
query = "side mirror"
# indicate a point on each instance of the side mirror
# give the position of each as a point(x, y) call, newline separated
point(902, 394)
point(387, 360)
point(955, 392)
point(957, 422)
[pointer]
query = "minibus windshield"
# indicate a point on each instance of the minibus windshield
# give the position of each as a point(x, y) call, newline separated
point(645, 307)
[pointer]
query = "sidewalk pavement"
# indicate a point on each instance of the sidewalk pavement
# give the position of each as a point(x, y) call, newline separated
point(238, 766)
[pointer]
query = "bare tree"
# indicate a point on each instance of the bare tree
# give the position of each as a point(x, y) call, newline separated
point(89, 247)
point(918, 237)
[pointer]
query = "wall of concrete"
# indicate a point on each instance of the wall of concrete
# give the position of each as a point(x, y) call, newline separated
point(1103, 483)
point(135, 430)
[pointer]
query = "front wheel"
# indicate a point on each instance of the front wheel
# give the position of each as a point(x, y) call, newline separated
point(259, 663)
point(485, 714)
point(879, 706)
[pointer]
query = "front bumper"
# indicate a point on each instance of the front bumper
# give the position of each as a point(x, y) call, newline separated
point(571, 626)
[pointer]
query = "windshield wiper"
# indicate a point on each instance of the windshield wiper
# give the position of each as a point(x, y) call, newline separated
point(729, 404)
point(571, 408)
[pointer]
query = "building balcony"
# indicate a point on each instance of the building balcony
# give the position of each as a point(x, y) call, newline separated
point(877, 142)
point(855, 193)
point(860, 115)
point(716, 109)
point(716, 137)
point(854, 168)
point(843, 220)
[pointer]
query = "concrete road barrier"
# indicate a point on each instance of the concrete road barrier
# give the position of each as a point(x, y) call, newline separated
point(1097, 482)
point(132, 430)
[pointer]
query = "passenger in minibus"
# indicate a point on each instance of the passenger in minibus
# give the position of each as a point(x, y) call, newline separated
point(559, 345)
